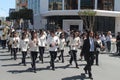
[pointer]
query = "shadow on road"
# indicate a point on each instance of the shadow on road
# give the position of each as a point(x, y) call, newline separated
point(114, 55)
point(10, 65)
point(27, 70)
point(7, 59)
point(20, 71)
point(4, 54)
point(77, 77)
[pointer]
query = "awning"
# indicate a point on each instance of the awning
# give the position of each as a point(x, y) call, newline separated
point(75, 13)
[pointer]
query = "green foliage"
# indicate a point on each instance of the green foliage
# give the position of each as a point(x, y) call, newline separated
point(87, 13)
point(14, 15)
point(88, 17)
point(26, 14)
point(7, 18)
point(23, 13)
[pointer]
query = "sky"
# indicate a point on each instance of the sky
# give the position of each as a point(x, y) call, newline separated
point(5, 5)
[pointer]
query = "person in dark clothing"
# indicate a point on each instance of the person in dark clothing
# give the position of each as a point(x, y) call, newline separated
point(88, 50)
point(118, 43)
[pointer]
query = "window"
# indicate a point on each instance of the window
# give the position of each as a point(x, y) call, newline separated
point(71, 4)
point(106, 4)
point(55, 4)
point(87, 4)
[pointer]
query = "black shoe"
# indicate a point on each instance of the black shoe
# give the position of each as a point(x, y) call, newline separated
point(32, 65)
point(90, 75)
point(59, 58)
point(40, 58)
point(35, 71)
point(24, 64)
point(70, 63)
point(42, 61)
point(53, 69)
point(97, 64)
point(85, 71)
point(91, 78)
point(77, 67)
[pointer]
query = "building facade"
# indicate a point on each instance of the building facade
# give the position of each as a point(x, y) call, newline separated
point(64, 13)
point(20, 4)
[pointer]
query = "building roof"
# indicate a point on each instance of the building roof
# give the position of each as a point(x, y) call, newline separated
point(75, 13)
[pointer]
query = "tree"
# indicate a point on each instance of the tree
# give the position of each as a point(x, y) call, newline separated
point(7, 18)
point(14, 15)
point(25, 14)
point(88, 17)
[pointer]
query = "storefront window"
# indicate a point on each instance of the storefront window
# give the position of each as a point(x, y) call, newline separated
point(87, 4)
point(55, 4)
point(71, 4)
point(106, 4)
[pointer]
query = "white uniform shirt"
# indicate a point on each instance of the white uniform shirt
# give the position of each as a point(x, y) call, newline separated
point(33, 45)
point(75, 43)
point(100, 43)
point(70, 39)
point(15, 42)
point(42, 41)
point(53, 41)
point(62, 44)
point(24, 44)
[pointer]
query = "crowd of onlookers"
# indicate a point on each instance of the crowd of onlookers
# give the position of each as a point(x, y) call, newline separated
point(36, 41)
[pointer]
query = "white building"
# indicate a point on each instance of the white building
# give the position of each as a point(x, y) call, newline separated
point(65, 14)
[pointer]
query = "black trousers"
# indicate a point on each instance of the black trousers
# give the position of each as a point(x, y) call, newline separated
point(118, 47)
point(3, 44)
point(24, 53)
point(33, 58)
point(97, 57)
point(73, 57)
point(61, 55)
point(90, 61)
point(14, 53)
point(109, 46)
point(53, 55)
point(41, 51)
point(9, 48)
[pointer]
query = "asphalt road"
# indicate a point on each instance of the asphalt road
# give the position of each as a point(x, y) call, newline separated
point(108, 69)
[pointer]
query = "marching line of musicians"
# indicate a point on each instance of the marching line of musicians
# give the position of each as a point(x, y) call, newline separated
point(35, 42)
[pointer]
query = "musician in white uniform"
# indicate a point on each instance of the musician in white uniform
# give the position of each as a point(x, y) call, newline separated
point(53, 43)
point(15, 45)
point(24, 47)
point(42, 44)
point(74, 46)
point(33, 45)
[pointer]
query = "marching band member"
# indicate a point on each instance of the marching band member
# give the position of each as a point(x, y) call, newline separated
point(74, 46)
point(15, 45)
point(53, 43)
point(24, 47)
point(42, 44)
point(33, 45)
point(62, 46)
